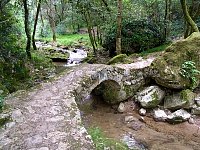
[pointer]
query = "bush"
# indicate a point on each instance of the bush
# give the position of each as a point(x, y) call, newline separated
point(137, 36)
point(12, 56)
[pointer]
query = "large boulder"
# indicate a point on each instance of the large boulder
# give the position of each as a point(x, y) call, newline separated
point(150, 97)
point(183, 99)
point(166, 68)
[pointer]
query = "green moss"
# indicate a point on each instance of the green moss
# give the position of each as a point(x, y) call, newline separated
point(188, 96)
point(155, 101)
point(101, 141)
point(121, 58)
point(169, 64)
point(59, 55)
point(3, 121)
point(156, 49)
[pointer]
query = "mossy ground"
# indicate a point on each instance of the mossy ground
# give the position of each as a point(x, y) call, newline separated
point(101, 142)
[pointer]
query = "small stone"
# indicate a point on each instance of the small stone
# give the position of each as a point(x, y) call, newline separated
point(121, 108)
point(142, 112)
point(127, 83)
point(195, 110)
point(142, 119)
point(160, 115)
point(135, 126)
point(130, 119)
point(191, 121)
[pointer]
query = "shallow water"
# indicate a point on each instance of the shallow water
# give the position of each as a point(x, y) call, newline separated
point(153, 135)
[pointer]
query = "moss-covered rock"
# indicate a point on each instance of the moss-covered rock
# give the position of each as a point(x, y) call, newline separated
point(183, 99)
point(150, 97)
point(189, 97)
point(166, 68)
point(110, 91)
point(121, 58)
point(56, 55)
point(59, 56)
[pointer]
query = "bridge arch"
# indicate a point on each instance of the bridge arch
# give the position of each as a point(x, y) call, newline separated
point(117, 84)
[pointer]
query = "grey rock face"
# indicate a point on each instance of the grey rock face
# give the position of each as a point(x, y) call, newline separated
point(159, 115)
point(178, 116)
point(195, 110)
point(183, 99)
point(150, 97)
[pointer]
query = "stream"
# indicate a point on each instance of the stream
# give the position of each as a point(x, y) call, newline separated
point(76, 55)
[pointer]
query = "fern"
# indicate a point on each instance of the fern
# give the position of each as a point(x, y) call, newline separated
point(189, 71)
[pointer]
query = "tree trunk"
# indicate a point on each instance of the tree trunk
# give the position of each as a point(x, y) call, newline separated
point(194, 12)
point(167, 18)
point(119, 28)
point(35, 25)
point(42, 26)
point(27, 29)
point(89, 27)
point(51, 16)
point(188, 18)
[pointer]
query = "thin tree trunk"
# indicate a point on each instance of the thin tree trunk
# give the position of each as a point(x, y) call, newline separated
point(27, 29)
point(89, 27)
point(119, 28)
point(167, 18)
point(42, 21)
point(188, 18)
point(35, 25)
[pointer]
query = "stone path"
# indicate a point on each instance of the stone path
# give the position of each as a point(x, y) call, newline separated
point(47, 117)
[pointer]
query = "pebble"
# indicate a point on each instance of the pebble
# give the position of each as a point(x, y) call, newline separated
point(142, 112)
point(142, 119)
point(121, 108)
point(130, 119)
point(191, 121)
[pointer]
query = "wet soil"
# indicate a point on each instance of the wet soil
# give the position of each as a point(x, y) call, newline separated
point(154, 135)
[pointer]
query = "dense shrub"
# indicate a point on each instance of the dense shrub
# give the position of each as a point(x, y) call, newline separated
point(12, 56)
point(137, 36)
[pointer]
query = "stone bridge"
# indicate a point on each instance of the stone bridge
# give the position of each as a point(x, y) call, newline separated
point(47, 117)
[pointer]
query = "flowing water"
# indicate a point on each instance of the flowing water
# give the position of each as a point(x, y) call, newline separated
point(76, 56)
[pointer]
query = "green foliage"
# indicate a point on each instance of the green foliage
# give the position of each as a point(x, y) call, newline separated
point(70, 39)
point(137, 36)
point(121, 58)
point(1, 102)
point(101, 142)
point(155, 49)
point(12, 57)
point(189, 71)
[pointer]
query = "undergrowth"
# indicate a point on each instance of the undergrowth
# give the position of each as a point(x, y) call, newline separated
point(155, 49)
point(70, 39)
point(102, 142)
